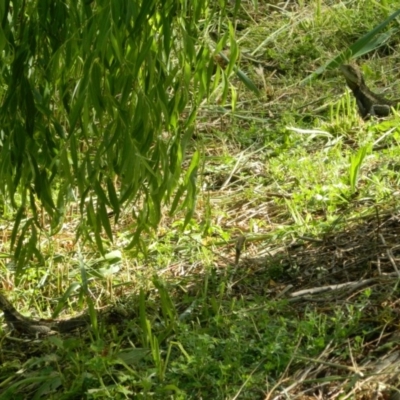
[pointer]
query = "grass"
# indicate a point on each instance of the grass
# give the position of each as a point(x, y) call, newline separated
point(315, 191)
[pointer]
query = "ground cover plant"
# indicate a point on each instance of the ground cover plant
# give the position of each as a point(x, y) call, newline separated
point(248, 250)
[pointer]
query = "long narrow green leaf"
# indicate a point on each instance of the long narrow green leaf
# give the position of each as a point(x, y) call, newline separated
point(64, 298)
point(365, 44)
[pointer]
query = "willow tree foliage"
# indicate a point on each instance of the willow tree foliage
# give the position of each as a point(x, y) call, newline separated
point(98, 100)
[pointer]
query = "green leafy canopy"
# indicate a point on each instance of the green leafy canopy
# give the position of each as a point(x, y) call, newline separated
point(98, 100)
